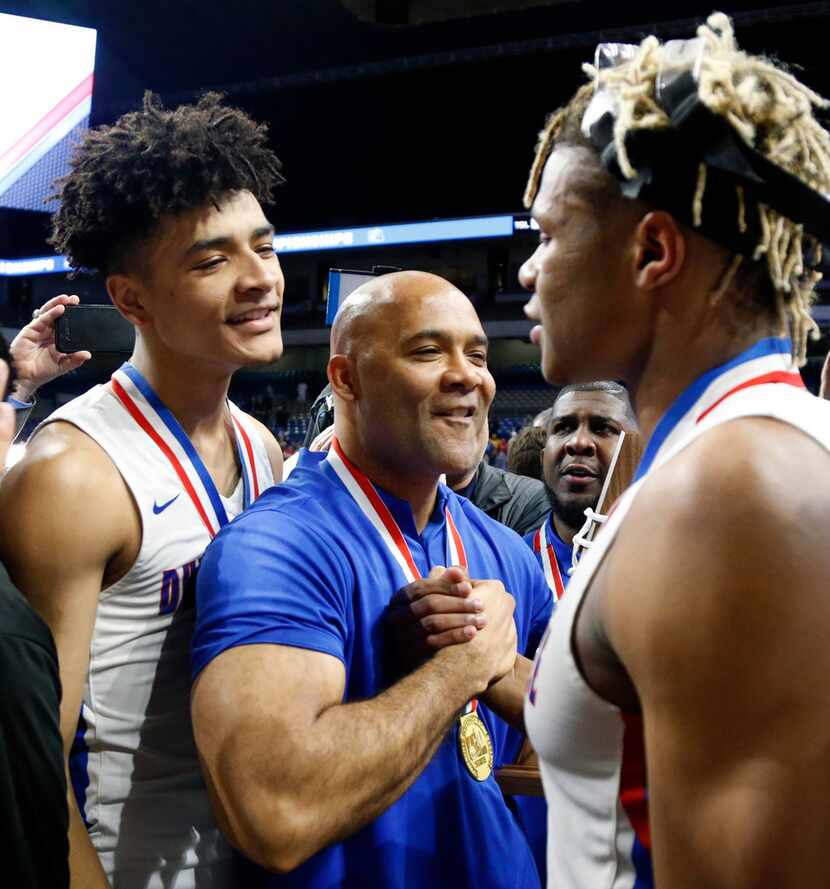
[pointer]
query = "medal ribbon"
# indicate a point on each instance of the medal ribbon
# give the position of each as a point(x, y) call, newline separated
point(372, 506)
point(471, 707)
point(548, 555)
point(767, 361)
point(158, 422)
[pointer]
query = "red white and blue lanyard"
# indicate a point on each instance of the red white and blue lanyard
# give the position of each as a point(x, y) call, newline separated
point(371, 504)
point(377, 512)
point(553, 575)
point(768, 361)
point(158, 422)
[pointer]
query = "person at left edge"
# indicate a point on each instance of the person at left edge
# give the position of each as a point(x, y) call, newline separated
point(33, 811)
point(325, 765)
point(103, 522)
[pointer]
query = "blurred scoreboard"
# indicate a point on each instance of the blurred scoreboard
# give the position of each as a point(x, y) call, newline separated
point(46, 69)
point(469, 228)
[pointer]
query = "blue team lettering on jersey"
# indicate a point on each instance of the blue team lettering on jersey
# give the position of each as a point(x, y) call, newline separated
point(178, 585)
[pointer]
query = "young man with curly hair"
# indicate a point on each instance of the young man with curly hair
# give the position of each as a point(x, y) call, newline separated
point(680, 704)
point(105, 520)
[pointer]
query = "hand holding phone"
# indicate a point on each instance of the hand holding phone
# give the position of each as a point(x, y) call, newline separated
point(33, 351)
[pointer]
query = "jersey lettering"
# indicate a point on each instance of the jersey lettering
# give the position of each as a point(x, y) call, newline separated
point(178, 585)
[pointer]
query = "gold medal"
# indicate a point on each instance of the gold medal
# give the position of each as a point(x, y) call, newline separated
point(476, 746)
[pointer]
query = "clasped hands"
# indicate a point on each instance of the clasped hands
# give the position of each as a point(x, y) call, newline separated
point(447, 609)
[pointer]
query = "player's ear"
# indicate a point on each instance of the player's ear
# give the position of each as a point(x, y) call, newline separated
point(660, 250)
point(343, 377)
point(127, 295)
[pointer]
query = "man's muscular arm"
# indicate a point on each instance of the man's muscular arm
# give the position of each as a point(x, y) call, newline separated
point(715, 600)
point(64, 513)
point(292, 769)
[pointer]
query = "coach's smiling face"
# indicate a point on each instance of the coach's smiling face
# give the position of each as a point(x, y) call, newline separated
point(409, 372)
point(426, 383)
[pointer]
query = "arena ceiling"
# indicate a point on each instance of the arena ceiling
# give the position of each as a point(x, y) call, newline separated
point(387, 110)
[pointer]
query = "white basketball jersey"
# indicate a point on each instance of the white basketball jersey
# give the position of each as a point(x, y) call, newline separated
point(133, 764)
point(591, 753)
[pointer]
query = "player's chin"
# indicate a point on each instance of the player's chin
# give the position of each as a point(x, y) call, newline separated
point(559, 368)
point(552, 368)
point(260, 350)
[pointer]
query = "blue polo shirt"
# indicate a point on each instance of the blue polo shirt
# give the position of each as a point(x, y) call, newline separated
point(304, 567)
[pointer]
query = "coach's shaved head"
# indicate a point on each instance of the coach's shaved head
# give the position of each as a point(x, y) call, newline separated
point(378, 301)
point(408, 370)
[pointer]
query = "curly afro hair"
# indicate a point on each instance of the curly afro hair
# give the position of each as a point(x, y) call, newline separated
point(156, 162)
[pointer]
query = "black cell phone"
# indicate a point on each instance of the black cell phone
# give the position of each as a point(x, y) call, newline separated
point(94, 328)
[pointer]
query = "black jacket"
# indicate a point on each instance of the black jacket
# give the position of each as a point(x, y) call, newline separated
point(34, 817)
point(519, 502)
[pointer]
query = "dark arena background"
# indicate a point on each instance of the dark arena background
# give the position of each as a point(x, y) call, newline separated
point(384, 112)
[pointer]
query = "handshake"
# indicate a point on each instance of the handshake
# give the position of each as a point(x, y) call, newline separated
point(449, 615)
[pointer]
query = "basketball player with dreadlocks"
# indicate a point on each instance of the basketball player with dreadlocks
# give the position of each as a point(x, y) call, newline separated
point(680, 704)
point(105, 520)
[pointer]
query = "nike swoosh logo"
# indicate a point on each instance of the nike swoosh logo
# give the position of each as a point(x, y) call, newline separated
point(159, 509)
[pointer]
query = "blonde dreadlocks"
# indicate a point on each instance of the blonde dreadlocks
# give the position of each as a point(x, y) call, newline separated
point(767, 108)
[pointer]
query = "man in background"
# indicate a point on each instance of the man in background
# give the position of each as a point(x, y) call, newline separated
point(584, 426)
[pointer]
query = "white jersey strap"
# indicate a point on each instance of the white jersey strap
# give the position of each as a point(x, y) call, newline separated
point(767, 361)
point(162, 427)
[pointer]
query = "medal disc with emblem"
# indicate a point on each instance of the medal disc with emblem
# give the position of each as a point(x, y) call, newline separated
point(476, 746)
